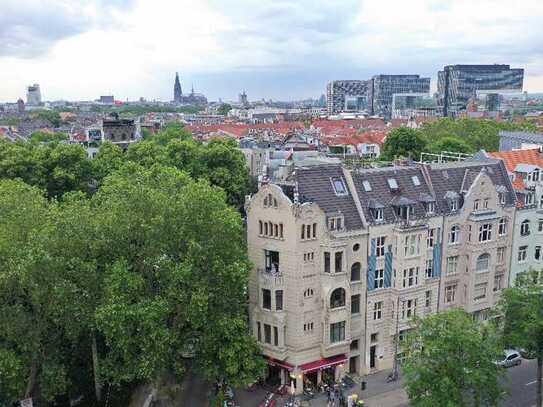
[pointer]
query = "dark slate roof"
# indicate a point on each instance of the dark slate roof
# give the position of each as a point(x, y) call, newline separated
point(315, 185)
point(459, 176)
point(523, 136)
point(406, 193)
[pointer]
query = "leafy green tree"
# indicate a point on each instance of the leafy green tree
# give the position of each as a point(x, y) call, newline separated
point(450, 361)
point(48, 137)
point(522, 308)
point(452, 144)
point(403, 142)
point(109, 159)
point(224, 109)
point(52, 116)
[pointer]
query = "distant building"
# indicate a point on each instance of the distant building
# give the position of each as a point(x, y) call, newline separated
point(456, 84)
point(33, 95)
point(520, 140)
point(119, 131)
point(384, 87)
point(20, 105)
point(191, 99)
point(108, 100)
point(348, 96)
point(243, 99)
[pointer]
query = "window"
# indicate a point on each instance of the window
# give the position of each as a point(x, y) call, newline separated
point(302, 236)
point(452, 264)
point(355, 304)
point(374, 337)
point(314, 230)
point(482, 264)
point(271, 261)
point(486, 202)
point(540, 222)
point(476, 204)
point(338, 262)
point(339, 186)
point(537, 253)
point(502, 227)
point(379, 278)
point(430, 207)
point(337, 299)
point(428, 298)
point(454, 236)
point(405, 211)
point(366, 185)
point(275, 336)
point(327, 262)
point(450, 293)
point(308, 327)
point(416, 181)
point(378, 214)
point(279, 300)
point(500, 255)
point(354, 344)
point(270, 229)
point(498, 282)
point(266, 299)
point(529, 198)
point(479, 291)
point(270, 201)
point(355, 271)
point(430, 238)
point(453, 203)
point(337, 332)
point(525, 228)
point(409, 308)
point(267, 333)
point(410, 277)
point(309, 257)
point(392, 183)
point(412, 245)
point(429, 271)
point(259, 332)
point(335, 223)
point(501, 198)
point(522, 251)
point(377, 310)
point(380, 246)
point(356, 247)
point(485, 232)
point(308, 293)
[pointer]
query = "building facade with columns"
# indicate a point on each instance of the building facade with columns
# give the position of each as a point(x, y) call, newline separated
point(344, 259)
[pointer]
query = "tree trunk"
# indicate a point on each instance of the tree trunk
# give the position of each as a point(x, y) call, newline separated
point(539, 380)
point(95, 367)
point(31, 379)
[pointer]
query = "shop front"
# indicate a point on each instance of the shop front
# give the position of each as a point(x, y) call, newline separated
point(278, 372)
point(327, 370)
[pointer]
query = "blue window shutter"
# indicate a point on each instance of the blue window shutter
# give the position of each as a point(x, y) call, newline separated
point(437, 260)
point(371, 265)
point(388, 267)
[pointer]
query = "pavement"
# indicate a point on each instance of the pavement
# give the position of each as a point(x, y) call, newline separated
point(520, 381)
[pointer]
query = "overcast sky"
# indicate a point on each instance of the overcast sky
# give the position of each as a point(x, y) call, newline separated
point(80, 49)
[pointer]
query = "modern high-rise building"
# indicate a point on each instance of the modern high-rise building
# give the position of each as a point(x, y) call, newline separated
point(456, 84)
point(384, 87)
point(348, 96)
point(177, 92)
point(33, 95)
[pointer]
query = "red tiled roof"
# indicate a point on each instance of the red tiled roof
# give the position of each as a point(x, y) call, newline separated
point(513, 158)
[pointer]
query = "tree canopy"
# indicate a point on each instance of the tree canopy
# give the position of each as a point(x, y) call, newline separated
point(450, 361)
point(403, 142)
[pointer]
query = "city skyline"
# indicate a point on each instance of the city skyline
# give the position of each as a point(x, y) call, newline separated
point(132, 48)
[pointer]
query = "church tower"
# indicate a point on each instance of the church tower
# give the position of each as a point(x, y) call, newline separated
point(177, 93)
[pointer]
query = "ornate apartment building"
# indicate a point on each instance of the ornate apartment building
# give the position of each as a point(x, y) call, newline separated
point(343, 260)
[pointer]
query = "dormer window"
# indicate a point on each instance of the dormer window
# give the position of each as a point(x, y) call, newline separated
point(529, 198)
point(476, 204)
point(534, 175)
point(393, 184)
point(430, 208)
point(453, 204)
point(501, 198)
point(378, 214)
point(367, 186)
point(416, 181)
point(405, 211)
point(339, 186)
point(335, 223)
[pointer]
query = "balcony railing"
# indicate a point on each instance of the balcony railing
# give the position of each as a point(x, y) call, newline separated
point(269, 277)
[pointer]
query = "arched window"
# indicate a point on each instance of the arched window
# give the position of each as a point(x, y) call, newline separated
point(337, 299)
point(454, 235)
point(482, 263)
point(502, 227)
point(525, 228)
point(355, 272)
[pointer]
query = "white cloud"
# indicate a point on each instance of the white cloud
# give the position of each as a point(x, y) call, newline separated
point(84, 48)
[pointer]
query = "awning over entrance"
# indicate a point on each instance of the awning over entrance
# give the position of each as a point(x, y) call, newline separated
point(275, 362)
point(323, 363)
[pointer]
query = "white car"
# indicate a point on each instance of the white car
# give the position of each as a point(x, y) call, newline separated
point(511, 358)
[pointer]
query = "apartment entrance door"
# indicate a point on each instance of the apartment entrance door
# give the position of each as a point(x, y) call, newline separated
point(373, 354)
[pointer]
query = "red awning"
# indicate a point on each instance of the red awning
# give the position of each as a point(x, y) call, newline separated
point(323, 363)
point(284, 365)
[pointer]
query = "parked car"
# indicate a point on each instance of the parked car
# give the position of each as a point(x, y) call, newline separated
point(511, 358)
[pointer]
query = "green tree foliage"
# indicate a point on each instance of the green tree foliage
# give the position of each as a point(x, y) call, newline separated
point(522, 307)
point(451, 144)
point(47, 137)
point(450, 361)
point(403, 142)
point(52, 116)
point(224, 109)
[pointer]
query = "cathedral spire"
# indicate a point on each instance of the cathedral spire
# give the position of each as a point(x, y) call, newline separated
point(177, 93)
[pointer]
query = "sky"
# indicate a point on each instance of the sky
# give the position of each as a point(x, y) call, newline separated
point(278, 49)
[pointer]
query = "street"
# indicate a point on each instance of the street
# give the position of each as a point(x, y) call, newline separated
point(522, 385)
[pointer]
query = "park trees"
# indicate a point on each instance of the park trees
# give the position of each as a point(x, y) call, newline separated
point(450, 361)
point(403, 142)
point(522, 309)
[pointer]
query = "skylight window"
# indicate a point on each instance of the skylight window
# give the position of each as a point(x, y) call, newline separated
point(367, 186)
point(415, 180)
point(339, 186)
point(392, 183)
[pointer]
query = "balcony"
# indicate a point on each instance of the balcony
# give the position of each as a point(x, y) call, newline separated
point(267, 278)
